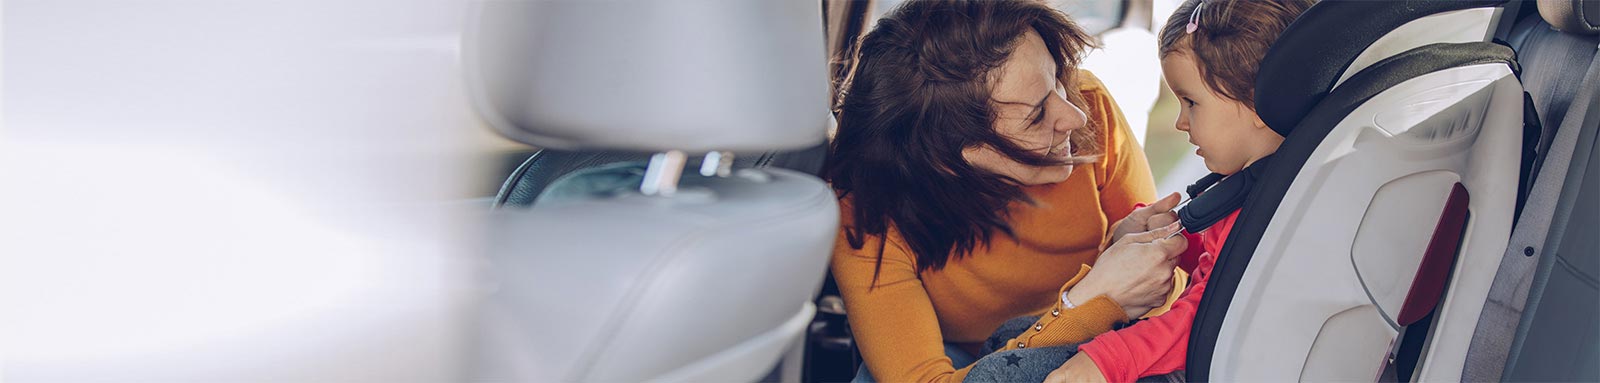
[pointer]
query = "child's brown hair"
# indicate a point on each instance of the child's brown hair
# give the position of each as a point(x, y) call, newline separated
point(1229, 39)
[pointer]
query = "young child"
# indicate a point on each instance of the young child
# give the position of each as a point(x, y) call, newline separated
point(1210, 53)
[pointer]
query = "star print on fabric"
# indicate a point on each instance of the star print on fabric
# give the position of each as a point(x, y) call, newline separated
point(1011, 360)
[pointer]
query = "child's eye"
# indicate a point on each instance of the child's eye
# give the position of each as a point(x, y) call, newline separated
point(1186, 100)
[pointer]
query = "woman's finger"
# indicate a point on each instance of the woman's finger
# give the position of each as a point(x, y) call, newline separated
point(1153, 234)
point(1161, 219)
point(1160, 206)
point(1166, 203)
point(1174, 245)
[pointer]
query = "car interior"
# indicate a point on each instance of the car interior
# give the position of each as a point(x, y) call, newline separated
point(1430, 145)
point(660, 214)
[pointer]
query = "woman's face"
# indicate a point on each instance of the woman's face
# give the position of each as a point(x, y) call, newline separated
point(1033, 112)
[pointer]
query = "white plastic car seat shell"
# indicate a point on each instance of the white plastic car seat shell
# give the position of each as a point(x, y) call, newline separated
point(1332, 272)
point(1385, 208)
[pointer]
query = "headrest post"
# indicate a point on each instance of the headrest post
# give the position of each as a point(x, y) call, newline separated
point(661, 178)
point(717, 164)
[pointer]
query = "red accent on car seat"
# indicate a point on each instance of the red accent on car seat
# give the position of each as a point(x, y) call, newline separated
point(1436, 261)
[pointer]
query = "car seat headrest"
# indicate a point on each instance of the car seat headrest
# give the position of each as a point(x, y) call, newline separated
point(697, 76)
point(1312, 55)
point(1580, 17)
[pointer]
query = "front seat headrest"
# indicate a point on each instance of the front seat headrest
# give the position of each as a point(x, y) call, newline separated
point(1312, 54)
point(1580, 17)
point(697, 76)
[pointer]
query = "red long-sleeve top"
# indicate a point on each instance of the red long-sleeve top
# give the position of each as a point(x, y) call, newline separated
point(1159, 345)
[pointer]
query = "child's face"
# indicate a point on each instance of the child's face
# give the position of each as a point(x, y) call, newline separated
point(1229, 134)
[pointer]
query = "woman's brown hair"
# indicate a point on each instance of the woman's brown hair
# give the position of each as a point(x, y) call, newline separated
point(919, 94)
point(1229, 40)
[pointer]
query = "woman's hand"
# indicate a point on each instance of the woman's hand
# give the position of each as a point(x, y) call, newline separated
point(1147, 218)
point(1136, 272)
point(1078, 369)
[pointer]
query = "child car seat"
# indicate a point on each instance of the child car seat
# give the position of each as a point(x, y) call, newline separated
point(1385, 209)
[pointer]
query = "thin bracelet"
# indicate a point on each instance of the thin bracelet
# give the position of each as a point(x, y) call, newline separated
point(1067, 302)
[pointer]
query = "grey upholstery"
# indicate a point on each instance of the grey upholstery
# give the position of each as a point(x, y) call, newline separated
point(1558, 339)
point(1572, 16)
point(625, 287)
point(1548, 58)
point(689, 277)
point(650, 75)
point(1562, 342)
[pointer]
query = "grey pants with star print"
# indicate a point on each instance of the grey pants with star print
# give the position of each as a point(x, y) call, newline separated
point(1030, 364)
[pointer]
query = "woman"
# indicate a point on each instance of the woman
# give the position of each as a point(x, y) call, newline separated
point(979, 173)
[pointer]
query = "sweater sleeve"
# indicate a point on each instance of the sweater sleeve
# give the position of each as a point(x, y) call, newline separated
point(1154, 346)
point(894, 321)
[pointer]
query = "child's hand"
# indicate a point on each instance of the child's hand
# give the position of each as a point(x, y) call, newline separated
point(1078, 369)
point(1148, 218)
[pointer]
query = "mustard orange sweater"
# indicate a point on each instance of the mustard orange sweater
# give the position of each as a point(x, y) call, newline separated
point(902, 323)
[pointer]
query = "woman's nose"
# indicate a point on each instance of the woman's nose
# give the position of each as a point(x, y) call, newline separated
point(1072, 119)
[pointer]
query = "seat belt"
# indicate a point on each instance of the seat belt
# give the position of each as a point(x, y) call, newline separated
point(1493, 339)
